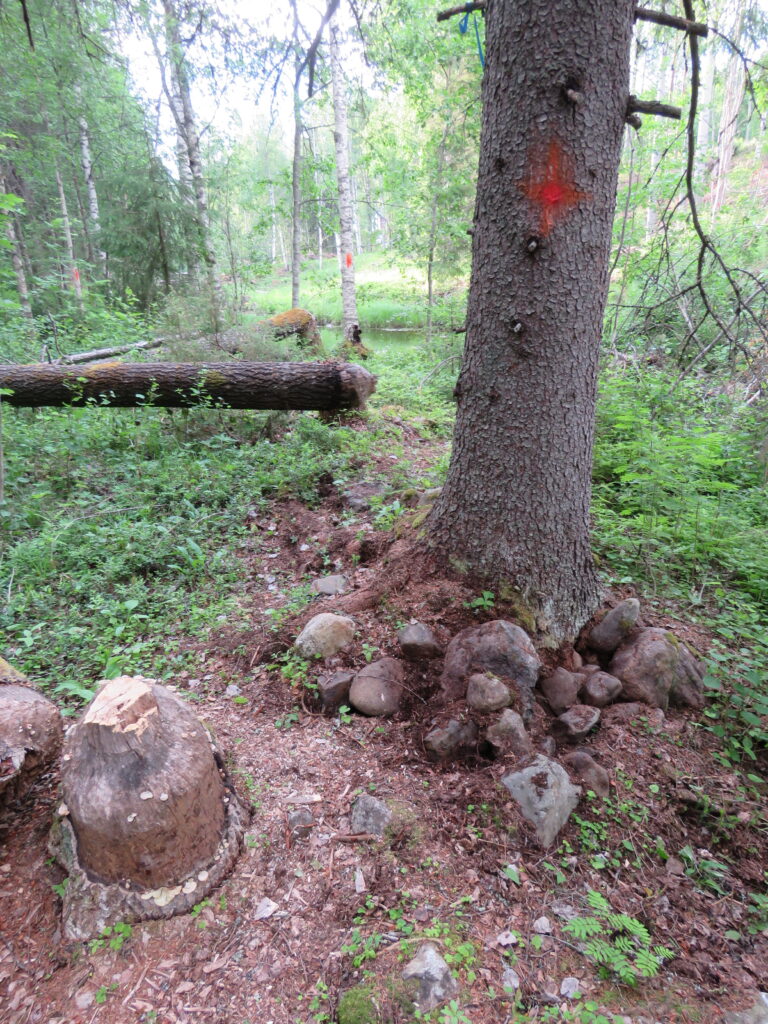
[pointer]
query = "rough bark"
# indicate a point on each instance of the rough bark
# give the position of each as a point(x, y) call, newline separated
point(236, 385)
point(149, 820)
point(31, 734)
point(515, 507)
point(346, 219)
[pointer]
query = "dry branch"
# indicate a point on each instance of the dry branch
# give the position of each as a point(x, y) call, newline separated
point(107, 353)
point(654, 107)
point(241, 385)
point(671, 21)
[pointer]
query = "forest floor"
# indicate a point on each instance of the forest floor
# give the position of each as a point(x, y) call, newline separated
point(679, 845)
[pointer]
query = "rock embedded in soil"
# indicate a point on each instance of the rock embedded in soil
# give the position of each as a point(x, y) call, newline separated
point(378, 688)
point(561, 690)
point(358, 496)
point(498, 647)
point(577, 722)
point(545, 796)
point(325, 635)
point(333, 690)
point(451, 740)
point(592, 775)
point(31, 735)
point(755, 1014)
point(330, 586)
point(600, 689)
point(657, 669)
point(614, 628)
point(486, 692)
point(436, 983)
point(418, 643)
point(508, 734)
point(301, 822)
point(370, 816)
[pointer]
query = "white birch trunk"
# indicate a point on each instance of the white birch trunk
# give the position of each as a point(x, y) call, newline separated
point(296, 199)
point(734, 94)
point(346, 220)
point(73, 272)
point(86, 162)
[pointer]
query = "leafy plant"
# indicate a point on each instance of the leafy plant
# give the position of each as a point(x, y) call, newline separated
point(618, 944)
point(484, 603)
point(115, 936)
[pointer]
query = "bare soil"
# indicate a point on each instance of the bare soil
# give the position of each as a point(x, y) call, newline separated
point(441, 875)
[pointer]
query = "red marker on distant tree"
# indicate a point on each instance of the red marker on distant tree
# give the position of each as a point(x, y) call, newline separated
point(550, 185)
point(348, 259)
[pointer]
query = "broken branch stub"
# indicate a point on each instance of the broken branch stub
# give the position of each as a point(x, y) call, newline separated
point(149, 822)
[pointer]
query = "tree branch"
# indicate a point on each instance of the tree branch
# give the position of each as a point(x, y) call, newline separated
point(654, 107)
point(670, 21)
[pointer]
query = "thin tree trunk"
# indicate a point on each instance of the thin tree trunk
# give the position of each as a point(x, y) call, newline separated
point(273, 228)
point(236, 385)
point(515, 507)
point(17, 261)
point(436, 188)
point(732, 99)
point(86, 162)
point(346, 220)
point(73, 272)
point(296, 197)
point(185, 121)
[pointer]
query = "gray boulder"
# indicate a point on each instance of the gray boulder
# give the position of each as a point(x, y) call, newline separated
point(577, 722)
point(329, 586)
point(561, 690)
point(600, 689)
point(588, 771)
point(370, 816)
point(614, 628)
point(378, 688)
point(333, 690)
point(545, 795)
point(756, 1014)
point(498, 647)
point(509, 735)
point(486, 692)
point(436, 983)
point(418, 643)
point(325, 635)
point(451, 740)
point(656, 669)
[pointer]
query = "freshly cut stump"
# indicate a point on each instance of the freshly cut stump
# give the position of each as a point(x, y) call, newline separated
point(149, 822)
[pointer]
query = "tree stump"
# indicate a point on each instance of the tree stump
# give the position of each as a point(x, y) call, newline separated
point(149, 822)
point(31, 734)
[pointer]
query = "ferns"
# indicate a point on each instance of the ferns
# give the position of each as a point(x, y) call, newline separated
point(618, 944)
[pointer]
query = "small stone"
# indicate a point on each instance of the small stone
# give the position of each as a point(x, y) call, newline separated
point(507, 938)
point(333, 690)
point(163, 796)
point(561, 690)
point(542, 926)
point(545, 796)
point(576, 723)
point(592, 775)
point(614, 628)
point(600, 689)
point(378, 688)
point(570, 988)
point(265, 909)
point(358, 496)
point(146, 795)
point(370, 816)
point(486, 692)
point(436, 983)
point(450, 740)
point(85, 998)
point(509, 734)
point(301, 822)
point(325, 635)
point(330, 586)
point(418, 643)
point(232, 691)
point(510, 980)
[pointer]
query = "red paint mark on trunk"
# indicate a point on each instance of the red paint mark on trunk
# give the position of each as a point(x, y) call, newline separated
point(75, 274)
point(550, 185)
point(348, 259)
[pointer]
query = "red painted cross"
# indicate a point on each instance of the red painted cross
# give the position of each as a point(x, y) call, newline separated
point(551, 187)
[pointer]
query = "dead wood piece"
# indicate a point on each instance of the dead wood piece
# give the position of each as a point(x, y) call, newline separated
point(654, 107)
point(479, 5)
point(671, 21)
point(31, 734)
point(239, 385)
point(107, 353)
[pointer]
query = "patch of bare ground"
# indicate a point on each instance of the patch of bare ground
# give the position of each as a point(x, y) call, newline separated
point(305, 917)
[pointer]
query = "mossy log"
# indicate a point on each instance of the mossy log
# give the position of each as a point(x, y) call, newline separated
point(149, 822)
point(239, 385)
point(31, 734)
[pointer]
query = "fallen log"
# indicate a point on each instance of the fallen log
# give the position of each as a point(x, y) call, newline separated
point(106, 353)
point(242, 385)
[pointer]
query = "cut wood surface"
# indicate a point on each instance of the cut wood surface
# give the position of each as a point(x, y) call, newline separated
point(238, 385)
point(31, 734)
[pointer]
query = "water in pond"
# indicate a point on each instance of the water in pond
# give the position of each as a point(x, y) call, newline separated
point(376, 338)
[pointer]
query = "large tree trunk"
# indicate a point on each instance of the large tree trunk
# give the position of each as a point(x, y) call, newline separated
point(346, 220)
point(515, 507)
point(237, 385)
